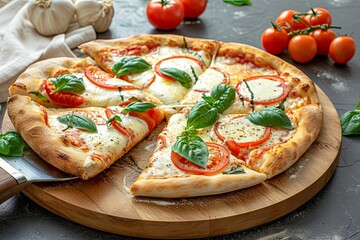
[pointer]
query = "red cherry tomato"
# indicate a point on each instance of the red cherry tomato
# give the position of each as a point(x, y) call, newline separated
point(323, 39)
point(274, 40)
point(302, 48)
point(165, 14)
point(342, 49)
point(287, 16)
point(193, 9)
point(219, 157)
point(318, 16)
point(61, 98)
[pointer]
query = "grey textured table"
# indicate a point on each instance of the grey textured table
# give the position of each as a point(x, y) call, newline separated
point(334, 213)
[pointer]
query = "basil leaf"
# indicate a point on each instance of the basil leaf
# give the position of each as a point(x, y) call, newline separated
point(202, 115)
point(239, 2)
point(224, 96)
point(69, 83)
point(130, 64)
point(114, 118)
point(281, 105)
point(209, 100)
point(238, 169)
point(74, 120)
point(138, 107)
point(270, 117)
point(193, 148)
point(179, 75)
point(350, 121)
point(39, 95)
point(11, 144)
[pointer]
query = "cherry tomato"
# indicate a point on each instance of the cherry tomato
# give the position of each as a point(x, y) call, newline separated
point(165, 14)
point(274, 40)
point(342, 49)
point(323, 39)
point(99, 78)
point(193, 9)
point(61, 98)
point(302, 48)
point(318, 16)
point(219, 157)
point(287, 16)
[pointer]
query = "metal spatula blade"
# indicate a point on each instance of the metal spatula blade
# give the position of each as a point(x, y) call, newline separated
point(17, 173)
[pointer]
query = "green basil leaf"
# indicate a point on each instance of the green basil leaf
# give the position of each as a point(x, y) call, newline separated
point(114, 118)
point(350, 122)
point(239, 2)
point(202, 115)
point(11, 144)
point(357, 106)
point(138, 107)
point(209, 100)
point(130, 64)
point(193, 148)
point(39, 95)
point(224, 96)
point(270, 117)
point(74, 120)
point(69, 83)
point(281, 105)
point(238, 169)
point(179, 75)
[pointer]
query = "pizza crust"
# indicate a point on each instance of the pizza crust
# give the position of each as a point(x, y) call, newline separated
point(280, 157)
point(195, 185)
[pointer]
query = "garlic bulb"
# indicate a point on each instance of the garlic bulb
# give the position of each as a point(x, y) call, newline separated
point(96, 13)
point(51, 17)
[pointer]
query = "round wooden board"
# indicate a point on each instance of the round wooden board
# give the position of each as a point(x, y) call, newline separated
point(105, 203)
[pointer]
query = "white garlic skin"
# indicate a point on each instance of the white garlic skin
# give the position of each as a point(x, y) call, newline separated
point(51, 17)
point(96, 13)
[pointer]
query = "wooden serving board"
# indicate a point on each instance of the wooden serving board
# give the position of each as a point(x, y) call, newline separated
point(105, 203)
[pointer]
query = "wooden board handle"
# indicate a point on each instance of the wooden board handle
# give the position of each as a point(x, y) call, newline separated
point(9, 186)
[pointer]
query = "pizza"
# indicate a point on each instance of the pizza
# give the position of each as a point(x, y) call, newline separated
point(235, 115)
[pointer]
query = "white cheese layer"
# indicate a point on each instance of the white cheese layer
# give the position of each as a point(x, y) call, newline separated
point(240, 130)
point(263, 89)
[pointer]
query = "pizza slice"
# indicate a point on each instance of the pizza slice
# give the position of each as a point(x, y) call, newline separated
point(203, 151)
point(260, 79)
point(82, 141)
point(75, 82)
point(166, 66)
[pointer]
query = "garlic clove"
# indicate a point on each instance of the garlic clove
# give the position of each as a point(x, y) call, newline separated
point(96, 13)
point(51, 17)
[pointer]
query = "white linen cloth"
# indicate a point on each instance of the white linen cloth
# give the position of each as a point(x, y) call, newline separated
point(21, 45)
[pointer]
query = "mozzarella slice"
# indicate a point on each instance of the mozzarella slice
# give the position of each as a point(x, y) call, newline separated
point(263, 89)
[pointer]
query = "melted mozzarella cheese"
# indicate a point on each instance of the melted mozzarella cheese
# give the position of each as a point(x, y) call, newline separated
point(263, 89)
point(240, 130)
point(206, 82)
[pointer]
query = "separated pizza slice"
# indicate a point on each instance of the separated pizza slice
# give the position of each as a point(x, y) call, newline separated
point(169, 175)
point(75, 82)
point(166, 66)
point(260, 79)
point(82, 141)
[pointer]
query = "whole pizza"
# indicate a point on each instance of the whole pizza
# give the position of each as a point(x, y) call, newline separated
point(235, 115)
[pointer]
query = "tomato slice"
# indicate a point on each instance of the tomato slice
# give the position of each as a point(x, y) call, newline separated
point(152, 117)
point(284, 94)
point(100, 78)
point(225, 81)
point(118, 126)
point(158, 65)
point(236, 146)
point(219, 158)
point(61, 98)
